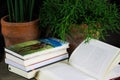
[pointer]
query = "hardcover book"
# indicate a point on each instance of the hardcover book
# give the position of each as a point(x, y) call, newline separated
point(30, 49)
point(94, 60)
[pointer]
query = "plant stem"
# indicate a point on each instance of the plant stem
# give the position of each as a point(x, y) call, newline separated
point(10, 9)
point(31, 9)
point(21, 10)
point(16, 11)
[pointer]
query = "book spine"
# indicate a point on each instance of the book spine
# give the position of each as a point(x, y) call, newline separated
point(34, 59)
point(37, 65)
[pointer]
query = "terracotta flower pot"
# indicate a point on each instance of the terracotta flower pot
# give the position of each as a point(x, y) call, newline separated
point(76, 36)
point(19, 32)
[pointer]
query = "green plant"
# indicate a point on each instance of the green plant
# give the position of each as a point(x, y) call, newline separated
point(20, 10)
point(99, 16)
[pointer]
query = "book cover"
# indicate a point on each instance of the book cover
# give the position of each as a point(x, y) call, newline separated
point(33, 48)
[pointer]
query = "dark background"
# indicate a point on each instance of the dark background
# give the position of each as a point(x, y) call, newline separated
point(3, 11)
point(112, 39)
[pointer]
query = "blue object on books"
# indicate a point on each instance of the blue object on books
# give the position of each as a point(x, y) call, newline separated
point(53, 42)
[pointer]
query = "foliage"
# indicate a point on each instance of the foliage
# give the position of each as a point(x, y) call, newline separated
point(99, 15)
point(20, 10)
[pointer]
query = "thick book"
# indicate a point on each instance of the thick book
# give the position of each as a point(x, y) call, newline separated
point(27, 74)
point(89, 61)
point(30, 49)
point(34, 59)
point(39, 64)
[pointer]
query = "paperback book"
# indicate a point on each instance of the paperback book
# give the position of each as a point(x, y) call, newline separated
point(30, 49)
point(39, 64)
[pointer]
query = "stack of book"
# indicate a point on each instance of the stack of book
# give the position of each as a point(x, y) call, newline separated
point(27, 58)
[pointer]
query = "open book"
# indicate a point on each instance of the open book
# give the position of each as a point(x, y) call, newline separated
point(89, 61)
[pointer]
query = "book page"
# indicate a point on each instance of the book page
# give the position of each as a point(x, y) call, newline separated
point(114, 73)
point(62, 71)
point(93, 58)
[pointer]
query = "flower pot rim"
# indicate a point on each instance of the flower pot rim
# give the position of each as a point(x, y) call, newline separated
point(4, 19)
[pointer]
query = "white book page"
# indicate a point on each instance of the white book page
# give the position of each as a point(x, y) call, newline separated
point(93, 58)
point(114, 73)
point(62, 71)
